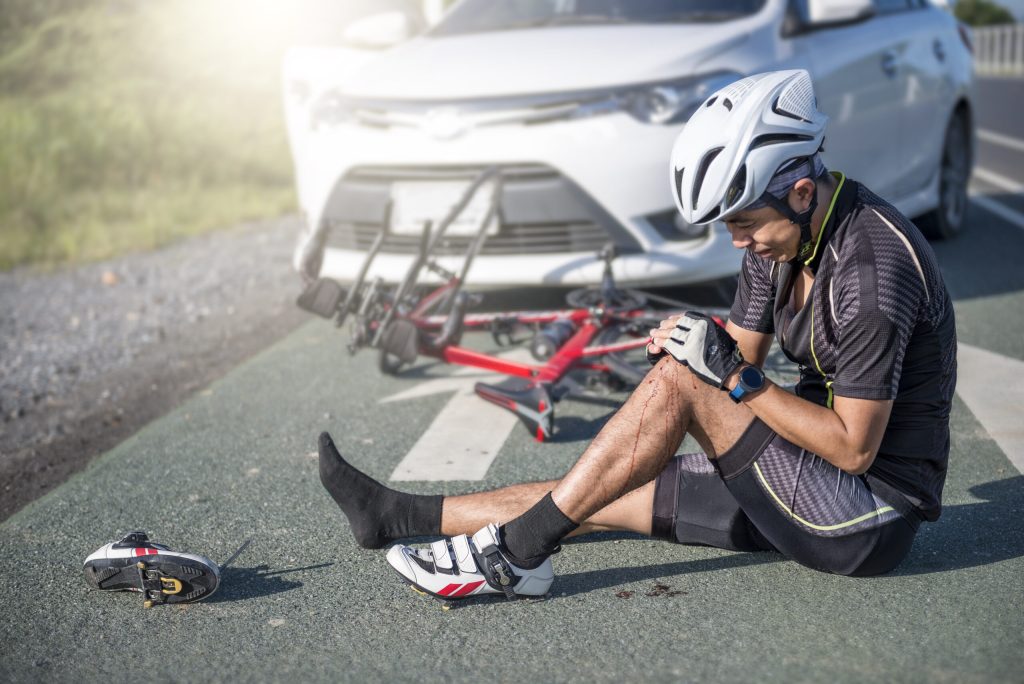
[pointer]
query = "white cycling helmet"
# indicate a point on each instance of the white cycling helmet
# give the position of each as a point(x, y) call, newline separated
point(738, 139)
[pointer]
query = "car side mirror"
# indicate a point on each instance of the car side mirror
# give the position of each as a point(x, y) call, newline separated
point(822, 13)
point(379, 31)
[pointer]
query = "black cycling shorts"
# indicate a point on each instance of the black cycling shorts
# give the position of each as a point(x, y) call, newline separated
point(766, 493)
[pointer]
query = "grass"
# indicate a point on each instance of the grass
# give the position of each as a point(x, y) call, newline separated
point(127, 124)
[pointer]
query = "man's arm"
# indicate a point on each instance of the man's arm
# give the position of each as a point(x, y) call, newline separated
point(847, 436)
point(753, 346)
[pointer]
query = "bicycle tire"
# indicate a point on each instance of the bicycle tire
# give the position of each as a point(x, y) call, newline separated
point(631, 366)
point(589, 297)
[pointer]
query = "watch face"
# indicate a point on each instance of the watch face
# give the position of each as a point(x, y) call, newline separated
point(752, 378)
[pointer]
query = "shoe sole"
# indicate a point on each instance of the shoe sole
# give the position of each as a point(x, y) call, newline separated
point(445, 600)
point(161, 579)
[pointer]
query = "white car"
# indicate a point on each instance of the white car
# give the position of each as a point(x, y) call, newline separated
point(579, 102)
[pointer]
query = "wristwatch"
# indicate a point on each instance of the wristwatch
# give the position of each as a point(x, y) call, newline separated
point(751, 380)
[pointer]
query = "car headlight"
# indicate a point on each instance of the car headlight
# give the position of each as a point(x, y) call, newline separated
point(329, 110)
point(673, 102)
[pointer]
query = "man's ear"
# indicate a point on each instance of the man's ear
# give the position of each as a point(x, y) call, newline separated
point(801, 193)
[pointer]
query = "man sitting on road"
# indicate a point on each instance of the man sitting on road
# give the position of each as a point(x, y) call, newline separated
point(837, 476)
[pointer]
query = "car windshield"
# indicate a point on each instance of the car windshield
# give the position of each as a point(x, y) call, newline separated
point(474, 16)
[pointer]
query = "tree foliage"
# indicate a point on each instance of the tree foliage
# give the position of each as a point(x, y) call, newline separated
point(982, 13)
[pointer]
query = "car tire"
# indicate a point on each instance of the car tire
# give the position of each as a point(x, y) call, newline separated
point(947, 220)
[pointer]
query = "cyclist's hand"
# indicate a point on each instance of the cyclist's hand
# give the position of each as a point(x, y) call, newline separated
point(702, 345)
point(659, 336)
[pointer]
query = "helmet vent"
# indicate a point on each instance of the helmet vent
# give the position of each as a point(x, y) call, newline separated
point(710, 216)
point(776, 107)
point(702, 170)
point(774, 138)
point(739, 184)
point(679, 186)
point(711, 101)
point(739, 89)
point(797, 99)
point(727, 103)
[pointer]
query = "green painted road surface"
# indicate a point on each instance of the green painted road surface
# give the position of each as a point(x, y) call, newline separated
point(302, 602)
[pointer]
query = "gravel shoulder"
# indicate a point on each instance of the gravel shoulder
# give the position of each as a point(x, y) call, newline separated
point(90, 354)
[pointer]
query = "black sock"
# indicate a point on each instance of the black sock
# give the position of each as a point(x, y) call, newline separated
point(378, 515)
point(535, 534)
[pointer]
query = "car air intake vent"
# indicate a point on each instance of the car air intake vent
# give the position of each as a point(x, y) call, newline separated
point(541, 211)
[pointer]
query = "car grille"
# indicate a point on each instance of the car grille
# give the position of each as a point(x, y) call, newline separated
point(541, 212)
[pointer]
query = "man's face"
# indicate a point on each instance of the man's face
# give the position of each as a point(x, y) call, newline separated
point(766, 233)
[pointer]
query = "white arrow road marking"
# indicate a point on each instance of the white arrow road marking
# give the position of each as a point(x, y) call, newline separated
point(989, 384)
point(467, 434)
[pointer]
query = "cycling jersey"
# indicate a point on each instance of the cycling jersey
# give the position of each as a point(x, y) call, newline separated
point(877, 324)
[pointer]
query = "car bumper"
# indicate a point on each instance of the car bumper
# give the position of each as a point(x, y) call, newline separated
point(572, 186)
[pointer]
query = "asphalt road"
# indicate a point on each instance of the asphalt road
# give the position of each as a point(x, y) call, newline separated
point(303, 602)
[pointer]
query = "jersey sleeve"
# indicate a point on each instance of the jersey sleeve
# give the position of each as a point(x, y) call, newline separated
point(877, 303)
point(753, 307)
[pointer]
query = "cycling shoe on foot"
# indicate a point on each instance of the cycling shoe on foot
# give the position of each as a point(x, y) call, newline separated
point(159, 574)
point(460, 567)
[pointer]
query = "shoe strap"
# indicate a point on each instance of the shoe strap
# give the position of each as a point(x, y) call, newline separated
point(498, 571)
point(493, 564)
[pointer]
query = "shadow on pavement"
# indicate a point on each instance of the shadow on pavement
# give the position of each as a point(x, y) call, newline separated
point(972, 535)
point(967, 536)
point(985, 260)
point(592, 580)
point(237, 584)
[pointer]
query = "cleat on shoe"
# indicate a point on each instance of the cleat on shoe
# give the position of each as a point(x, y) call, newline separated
point(154, 570)
point(460, 567)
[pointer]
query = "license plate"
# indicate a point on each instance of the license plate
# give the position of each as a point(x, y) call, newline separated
point(413, 204)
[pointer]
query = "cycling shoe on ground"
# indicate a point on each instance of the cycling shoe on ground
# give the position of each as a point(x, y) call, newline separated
point(461, 567)
point(159, 574)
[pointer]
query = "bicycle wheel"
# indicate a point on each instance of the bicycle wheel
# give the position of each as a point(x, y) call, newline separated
point(629, 366)
point(588, 297)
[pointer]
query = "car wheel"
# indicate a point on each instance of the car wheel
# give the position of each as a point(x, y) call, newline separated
point(947, 220)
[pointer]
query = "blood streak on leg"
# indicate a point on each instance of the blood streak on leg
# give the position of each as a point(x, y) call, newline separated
point(636, 440)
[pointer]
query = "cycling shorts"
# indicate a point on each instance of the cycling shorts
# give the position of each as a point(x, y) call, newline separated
point(766, 493)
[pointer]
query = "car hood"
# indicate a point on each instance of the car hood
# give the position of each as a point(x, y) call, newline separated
point(539, 61)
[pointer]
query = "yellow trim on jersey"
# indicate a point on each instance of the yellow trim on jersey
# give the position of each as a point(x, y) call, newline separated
point(873, 514)
point(824, 222)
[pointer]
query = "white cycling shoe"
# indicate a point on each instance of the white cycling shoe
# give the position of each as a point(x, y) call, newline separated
point(461, 567)
point(159, 574)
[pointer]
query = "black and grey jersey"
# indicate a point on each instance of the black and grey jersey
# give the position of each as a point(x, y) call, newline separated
point(877, 324)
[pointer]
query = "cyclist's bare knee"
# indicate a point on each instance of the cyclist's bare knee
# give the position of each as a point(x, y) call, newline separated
point(716, 421)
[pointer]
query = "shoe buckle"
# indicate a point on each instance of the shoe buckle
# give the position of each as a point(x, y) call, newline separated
point(499, 569)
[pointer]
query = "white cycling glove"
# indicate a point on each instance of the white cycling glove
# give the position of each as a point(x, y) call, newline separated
point(704, 347)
